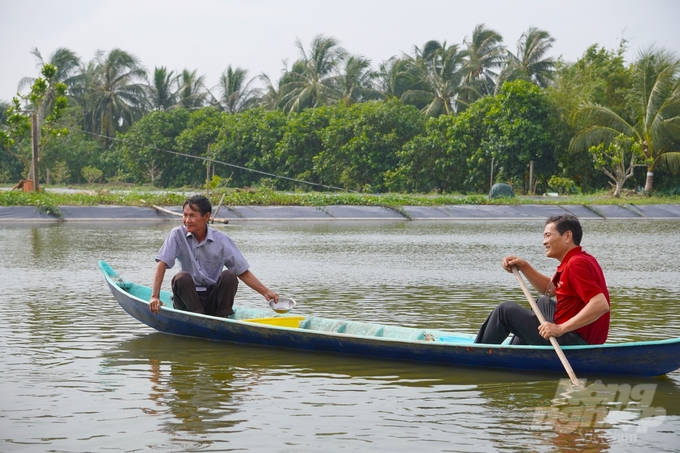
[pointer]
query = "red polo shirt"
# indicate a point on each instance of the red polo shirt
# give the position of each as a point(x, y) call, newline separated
point(578, 279)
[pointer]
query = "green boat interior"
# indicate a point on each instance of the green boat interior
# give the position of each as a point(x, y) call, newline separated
point(332, 326)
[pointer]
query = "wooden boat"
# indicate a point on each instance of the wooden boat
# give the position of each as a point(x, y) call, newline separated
point(259, 327)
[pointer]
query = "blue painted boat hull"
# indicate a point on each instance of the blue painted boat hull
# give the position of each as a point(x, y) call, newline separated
point(649, 358)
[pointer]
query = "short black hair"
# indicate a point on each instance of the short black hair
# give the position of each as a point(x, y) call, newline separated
point(566, 222)
point(198, 203)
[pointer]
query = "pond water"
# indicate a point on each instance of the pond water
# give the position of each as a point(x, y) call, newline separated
point(80, 375)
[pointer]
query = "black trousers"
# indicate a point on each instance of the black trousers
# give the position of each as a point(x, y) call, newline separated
point(217, 300)
point(509, 317)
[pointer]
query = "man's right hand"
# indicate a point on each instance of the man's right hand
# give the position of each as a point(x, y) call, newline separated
point(512, 261)
point(154, 305)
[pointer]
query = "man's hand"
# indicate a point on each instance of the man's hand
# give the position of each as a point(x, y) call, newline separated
point(512, 261)
point(269, 295)
point(549, 329)
point(155, 304)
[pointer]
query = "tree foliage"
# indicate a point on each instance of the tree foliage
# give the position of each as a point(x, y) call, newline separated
point(654, 119)
point(146, 150)
point(618, 160)
point(360, 144)
point(47, 102)
point(443, 119)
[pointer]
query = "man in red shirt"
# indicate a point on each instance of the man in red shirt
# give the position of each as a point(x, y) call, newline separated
point(581, 313)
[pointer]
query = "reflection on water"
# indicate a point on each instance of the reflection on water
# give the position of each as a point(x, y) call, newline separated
point(81, 375)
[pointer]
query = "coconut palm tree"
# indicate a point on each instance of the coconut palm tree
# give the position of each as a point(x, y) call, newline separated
point(396, 76)
point(80, 91)
point(485, 54)
point(442, 71)
point(356, 80)
point(270, 96)
point(4, 105)
point(192, 92)
point(236, 95)
point(530, 63)
point(117, 94)
point(312, 81)
point(162, 92)
point(655, 121)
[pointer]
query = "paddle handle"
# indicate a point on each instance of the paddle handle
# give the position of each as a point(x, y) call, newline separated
point(541, 319)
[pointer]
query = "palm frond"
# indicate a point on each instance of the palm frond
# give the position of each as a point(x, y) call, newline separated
point(671, 161)
point(591, 136)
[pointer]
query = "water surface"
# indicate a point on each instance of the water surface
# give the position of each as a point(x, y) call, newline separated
point(80, 375)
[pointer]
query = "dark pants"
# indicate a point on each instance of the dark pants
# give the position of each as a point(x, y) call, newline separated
point(217, 300)
point(509, 317)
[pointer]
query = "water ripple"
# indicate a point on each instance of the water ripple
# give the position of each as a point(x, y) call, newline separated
point(79, 374)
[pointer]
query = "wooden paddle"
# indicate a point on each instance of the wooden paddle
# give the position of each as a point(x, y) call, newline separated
point(541, 319)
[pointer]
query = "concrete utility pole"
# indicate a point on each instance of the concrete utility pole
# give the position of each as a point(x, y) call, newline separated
point(207, 174)
point(491, 179)
point(35, 145)
point(531, 177)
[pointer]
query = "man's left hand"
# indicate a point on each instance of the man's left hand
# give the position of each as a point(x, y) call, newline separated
point(269, 295)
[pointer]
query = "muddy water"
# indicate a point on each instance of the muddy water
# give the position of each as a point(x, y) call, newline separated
point(78, 374)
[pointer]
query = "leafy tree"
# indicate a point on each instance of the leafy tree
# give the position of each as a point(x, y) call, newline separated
point(301, 141)
point(92, 174)
point(361, 144)
point(202, 129)
point(76, 149)
point(235, 93)
point(655, 119)
point(604, 76)
point(618, 160)
point(249, 140)
point(434, 161)
point(517, 129)
point(144, 150)
point(561, 185)
point(16, 133)
point(599, 77)
point(9, 164)
point(60, 172)
point(312, 81)
point(46, 102)
point(469, 138)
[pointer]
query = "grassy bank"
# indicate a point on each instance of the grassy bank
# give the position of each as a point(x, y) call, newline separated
point(265, 197)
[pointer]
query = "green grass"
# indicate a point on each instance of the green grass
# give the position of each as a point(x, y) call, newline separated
point(49, 200)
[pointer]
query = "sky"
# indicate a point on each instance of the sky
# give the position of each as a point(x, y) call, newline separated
point(260, 35)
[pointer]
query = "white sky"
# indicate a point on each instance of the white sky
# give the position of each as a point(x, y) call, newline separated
point(257, 35)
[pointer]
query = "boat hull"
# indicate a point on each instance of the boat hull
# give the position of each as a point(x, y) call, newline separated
point(650, 358)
